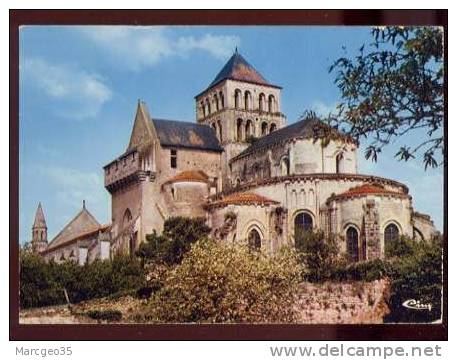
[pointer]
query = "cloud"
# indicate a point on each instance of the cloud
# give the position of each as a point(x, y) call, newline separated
point(137, 47)
point(72, 186)
point(323, 109)
point(81, 94)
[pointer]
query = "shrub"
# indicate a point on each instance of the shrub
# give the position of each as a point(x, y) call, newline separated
point(359, 271)
point(419, 277)
point(43, 284)
point(404, 246)
point(178, 235)
point(319, 253)
point(220, 282)
point(107, 315)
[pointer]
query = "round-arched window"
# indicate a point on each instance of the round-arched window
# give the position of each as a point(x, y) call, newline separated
point(352, 244)
point(391, 234)
point(303, 222)
point(254, 239)
point(127, 218)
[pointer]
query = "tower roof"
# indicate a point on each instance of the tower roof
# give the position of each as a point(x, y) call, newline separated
point(40, 221)
point(237, 68)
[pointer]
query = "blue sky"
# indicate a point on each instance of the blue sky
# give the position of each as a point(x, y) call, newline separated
point(79, 87)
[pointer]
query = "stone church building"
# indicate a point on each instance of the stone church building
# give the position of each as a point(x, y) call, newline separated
point(254, 178)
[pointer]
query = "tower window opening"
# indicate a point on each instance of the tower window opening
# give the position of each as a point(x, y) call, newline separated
point(173, 159)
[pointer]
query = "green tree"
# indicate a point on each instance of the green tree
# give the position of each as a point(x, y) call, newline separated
point(395, 88)
point(224, 282)
point(179, 233)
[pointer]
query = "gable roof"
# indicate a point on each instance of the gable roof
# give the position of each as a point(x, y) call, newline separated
point(173, 133)
point(83, 222)
point(40, 221)
point(306, 128)
point(237, 68)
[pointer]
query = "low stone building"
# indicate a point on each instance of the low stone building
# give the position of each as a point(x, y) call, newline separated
point(253, 178)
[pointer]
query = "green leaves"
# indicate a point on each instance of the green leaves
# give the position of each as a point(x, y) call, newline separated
point(226, 283)
point(395, 88)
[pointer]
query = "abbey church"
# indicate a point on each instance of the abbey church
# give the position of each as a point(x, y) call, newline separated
point(252, 176)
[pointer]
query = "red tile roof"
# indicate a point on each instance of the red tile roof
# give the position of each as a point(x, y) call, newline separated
point(367, 189)
point(190, 175)
point(242, 199)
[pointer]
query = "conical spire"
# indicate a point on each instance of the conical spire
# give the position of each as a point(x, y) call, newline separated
point(237, 68)
point(40, 221)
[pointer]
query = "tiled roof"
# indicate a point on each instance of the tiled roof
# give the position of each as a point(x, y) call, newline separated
point(173, 133)
point(237, 68)
point(190, 175)
point(306, 128)
point(367, 189)
point(242, 199)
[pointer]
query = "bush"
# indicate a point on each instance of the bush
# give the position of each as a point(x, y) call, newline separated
point(178, 235)
point(220, 282)
point(360, 271)
point(417, 276)
point(319, 253)
point(403, 247)
point(107, 315)
point(43, 284)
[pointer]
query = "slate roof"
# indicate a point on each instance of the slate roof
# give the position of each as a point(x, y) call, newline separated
point(237, 68)
point(83, 223)
point(173, 133)
point(306, 128)
point(40, 221)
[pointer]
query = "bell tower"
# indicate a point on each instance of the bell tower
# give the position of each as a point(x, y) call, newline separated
point(39, 231)
point(241, 106)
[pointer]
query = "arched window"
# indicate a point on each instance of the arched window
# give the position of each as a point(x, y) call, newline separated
point(262, 102)
point(208, 107)
point(391, 234)
point(417, 234)
point(272, 127)
point(352, 244)
point(239, 130)
point(213, 125)
point(237, 98)
point(126, 219)
point(271, 104)
point(285, 166)
point(339, 163)
point(221, 97)
point(264, 128)
point(247, 100)
point(303, 222)
point(249, 129)
point(216, 102)
point(254, 240)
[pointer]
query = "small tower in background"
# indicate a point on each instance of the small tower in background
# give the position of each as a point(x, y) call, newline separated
point(39, 231)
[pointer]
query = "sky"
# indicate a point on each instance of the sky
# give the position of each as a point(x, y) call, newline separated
point(79, 87)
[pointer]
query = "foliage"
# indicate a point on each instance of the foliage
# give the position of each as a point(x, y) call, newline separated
point(178, 235)
point(107, 315)
point(221, 282)
point(318, 252)
point(359, 271)
point(395, 88)
point(417, 276)
point(43, 284)
point(403, 247)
